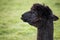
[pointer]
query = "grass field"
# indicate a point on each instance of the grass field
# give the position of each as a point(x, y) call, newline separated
point(13, 28)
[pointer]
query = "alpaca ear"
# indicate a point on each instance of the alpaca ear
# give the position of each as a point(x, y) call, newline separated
point(55, 18)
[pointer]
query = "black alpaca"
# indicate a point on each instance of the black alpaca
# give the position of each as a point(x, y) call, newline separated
point(41, 17)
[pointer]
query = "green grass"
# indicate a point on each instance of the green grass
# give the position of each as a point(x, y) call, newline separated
point(13, 28)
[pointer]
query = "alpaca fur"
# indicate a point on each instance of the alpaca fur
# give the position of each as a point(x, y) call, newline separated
point(42, 17)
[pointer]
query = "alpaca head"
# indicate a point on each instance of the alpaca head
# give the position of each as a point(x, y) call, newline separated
point(38, 15)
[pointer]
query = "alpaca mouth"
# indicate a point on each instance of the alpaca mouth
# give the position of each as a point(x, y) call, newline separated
point(24, 19)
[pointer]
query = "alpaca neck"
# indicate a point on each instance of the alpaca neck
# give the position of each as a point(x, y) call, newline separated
point(46, 32)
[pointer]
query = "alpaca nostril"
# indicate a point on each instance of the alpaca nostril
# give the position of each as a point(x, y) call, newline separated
point(22, 17)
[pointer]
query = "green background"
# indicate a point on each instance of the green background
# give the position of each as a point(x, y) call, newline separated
point(13, 28)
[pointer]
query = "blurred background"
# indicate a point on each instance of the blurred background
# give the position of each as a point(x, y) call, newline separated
point(13, 28)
